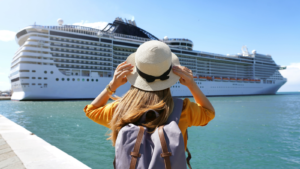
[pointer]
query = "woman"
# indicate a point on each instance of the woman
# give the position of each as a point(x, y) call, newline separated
point(151, 71)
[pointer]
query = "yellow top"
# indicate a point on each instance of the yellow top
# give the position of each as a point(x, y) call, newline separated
point(192, 115)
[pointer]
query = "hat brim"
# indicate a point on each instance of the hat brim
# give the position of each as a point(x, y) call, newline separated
point(141, 83)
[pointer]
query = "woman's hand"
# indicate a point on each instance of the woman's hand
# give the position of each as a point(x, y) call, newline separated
point(119, 78)
point(186, 75)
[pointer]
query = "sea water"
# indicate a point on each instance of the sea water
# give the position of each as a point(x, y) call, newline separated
point(247, 132)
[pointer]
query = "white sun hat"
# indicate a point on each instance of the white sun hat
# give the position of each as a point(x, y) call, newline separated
point(152, 70)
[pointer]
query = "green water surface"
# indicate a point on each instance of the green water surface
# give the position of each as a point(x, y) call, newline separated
point(247, 132)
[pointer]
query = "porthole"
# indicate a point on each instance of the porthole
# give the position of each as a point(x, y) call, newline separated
point(33, 77)
point(82, 79)
point(87, 79)
point(68, 79)
point(51, 72)
point(73, 79)
point(33, 84)
point(63, 79)
point(96, 80)
point(45, 78)
point(57, 79)
point(45, 72)
point(78, 79)
point(92, 80)
point(39, 78)
point(33, 70)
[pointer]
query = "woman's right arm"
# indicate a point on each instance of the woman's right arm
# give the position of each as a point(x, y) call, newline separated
point(187, 79)
point(118, 80)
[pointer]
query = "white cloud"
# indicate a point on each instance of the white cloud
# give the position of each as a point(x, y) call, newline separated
point(292, 73)
point(6, 35)
point(97, 25)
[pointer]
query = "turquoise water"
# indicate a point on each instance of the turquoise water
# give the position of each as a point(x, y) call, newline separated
point(247, 132)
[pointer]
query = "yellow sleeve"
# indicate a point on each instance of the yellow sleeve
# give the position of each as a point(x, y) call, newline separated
point(101, 115)
point(195, 114)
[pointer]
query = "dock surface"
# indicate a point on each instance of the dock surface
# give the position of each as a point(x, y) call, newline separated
point(8, 158)
point(20, 148)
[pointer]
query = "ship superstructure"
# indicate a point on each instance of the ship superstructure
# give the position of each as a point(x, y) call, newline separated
point(76, 62)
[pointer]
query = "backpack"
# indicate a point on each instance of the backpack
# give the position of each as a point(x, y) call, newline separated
point(164, 148)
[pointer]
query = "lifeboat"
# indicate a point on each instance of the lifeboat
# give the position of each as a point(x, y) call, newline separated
point(252, 80)
point(195, 77)
point(246, 80)
point(225, 79)
point(239, 79)
point(202, 78)
point(217, 79)
point(209, 78)
point(257, 80)
point(232, 79)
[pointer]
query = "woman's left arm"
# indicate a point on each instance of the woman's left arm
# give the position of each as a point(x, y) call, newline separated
point(118, 80)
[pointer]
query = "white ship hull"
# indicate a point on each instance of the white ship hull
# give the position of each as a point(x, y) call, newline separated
point(64, 90)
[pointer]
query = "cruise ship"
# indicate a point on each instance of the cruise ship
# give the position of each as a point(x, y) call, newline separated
point(77, 62)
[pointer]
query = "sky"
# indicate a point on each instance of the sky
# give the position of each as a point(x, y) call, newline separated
point(216, 26)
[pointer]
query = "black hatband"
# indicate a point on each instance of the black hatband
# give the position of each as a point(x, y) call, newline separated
point(150, 78)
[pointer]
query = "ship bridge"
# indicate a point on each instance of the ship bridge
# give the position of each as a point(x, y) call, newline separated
point(180, 43)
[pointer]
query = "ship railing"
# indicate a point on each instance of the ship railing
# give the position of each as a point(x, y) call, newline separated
point(98, 32)
point(175, 39)
point(89, 31)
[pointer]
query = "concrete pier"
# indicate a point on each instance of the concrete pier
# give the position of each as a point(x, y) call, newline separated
point(20, 148)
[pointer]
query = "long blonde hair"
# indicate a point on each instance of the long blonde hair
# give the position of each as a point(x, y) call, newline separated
point(133, 105)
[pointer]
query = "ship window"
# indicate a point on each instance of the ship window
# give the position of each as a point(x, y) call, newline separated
point(87, 79)
point(24, 70)
point(33, 84)
point(63, 79)
point(78, 79)
point(40, 84)
point(39, 78)
point(82, 79)
point(57, 79)
point(33, 77)
point(33, 70)
point(96, 80)
point(51, 72)
point(174, 43)
point(45, 78)
point(45, 72)
point(68, 79)
point(73, 79)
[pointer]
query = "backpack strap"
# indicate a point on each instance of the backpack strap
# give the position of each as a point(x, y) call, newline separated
point(165, 153)
point(135, 154)
point(188, 158)
point(175, 115)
